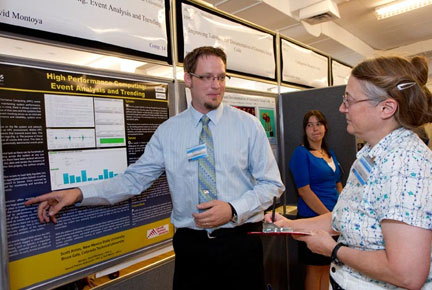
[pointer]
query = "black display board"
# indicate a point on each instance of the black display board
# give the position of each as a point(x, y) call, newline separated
point(62, 128)
point(293, 107)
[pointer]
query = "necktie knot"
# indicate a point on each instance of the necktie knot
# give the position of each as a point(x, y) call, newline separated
point(205, 120)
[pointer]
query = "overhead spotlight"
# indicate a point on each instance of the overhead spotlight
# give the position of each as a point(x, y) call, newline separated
point(400, 7)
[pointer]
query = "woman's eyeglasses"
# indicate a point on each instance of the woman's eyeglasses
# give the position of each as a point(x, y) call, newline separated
point(347, 102)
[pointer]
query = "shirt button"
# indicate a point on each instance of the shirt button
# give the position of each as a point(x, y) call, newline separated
point(333, 269)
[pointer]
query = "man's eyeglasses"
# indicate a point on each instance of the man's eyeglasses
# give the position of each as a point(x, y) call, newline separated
point(349, 102)
point(208, 78)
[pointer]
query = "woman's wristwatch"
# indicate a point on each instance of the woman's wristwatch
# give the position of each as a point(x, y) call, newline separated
point(333, 256)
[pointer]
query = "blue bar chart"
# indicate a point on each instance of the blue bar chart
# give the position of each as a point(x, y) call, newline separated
point(72, 179)
point(81, 167)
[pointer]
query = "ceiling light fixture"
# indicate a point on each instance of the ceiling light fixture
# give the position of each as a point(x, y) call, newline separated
point(400, 7)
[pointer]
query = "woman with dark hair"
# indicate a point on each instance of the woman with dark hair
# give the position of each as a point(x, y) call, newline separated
point(384, 214)
point(317, 176)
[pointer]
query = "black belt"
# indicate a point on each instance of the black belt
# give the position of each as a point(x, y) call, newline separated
point(224, 232)
point(334, 284)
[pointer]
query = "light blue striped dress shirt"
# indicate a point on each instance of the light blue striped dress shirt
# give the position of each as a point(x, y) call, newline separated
point(246, 171)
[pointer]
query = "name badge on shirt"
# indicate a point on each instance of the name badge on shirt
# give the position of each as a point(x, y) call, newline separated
point(362, 168)
point(197, 152)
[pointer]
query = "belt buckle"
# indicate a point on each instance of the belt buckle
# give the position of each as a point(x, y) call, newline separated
point(209, 235)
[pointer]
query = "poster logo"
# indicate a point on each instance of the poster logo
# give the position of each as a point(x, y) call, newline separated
point(156, 232)
point(161, 96)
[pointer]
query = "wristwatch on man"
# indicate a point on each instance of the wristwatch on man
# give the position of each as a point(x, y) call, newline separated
point(234, 218)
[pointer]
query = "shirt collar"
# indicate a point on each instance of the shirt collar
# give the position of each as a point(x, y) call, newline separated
point(214, 115)
point(384, 144)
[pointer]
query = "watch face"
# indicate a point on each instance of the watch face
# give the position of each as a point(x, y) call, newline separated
point(234, 218)
point(234, 213)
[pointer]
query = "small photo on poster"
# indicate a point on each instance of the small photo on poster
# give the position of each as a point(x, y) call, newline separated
point(250, 110)
point(267, 118)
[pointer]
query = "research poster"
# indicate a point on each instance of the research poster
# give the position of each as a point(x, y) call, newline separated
point(140, 25)
point(63, 129)
point(264, 108)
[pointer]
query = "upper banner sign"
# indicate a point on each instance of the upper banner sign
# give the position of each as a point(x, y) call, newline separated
point(340, 73)
point(303, 66)
point(248, 50)
point(139, 25)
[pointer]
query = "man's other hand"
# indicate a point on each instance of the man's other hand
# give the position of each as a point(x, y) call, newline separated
point(216, 213)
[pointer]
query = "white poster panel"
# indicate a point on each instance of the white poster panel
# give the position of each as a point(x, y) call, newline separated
point(264, 108)
point(303, 66)
point(340, 73)
point(248, 50)
point(135, 24)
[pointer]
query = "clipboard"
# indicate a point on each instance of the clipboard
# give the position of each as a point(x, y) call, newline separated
point(281, 233)
point(273, 230)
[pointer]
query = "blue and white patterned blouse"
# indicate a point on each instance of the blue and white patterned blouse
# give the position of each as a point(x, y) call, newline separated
point(398, 187)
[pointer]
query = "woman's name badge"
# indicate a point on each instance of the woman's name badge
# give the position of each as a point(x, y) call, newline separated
point(197, 152)
point(362, 168)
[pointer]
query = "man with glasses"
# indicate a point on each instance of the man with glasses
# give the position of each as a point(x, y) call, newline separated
point(222, 176)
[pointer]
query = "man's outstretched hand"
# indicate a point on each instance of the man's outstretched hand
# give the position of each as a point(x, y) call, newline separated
point(51, 203)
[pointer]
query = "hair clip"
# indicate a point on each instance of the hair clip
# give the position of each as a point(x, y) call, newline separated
point(404, 86)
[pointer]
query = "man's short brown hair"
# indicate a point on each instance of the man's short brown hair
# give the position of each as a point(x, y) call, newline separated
point(191, 59)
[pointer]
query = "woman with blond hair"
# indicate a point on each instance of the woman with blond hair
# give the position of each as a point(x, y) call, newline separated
point(384, 213)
